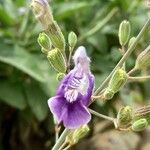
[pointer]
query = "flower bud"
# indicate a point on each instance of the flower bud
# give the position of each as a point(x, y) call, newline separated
point(44, 42)
point(56, 36)
point(131, 41)
point(77, 134)
point(143, 60)
point(143, 112)
point(139, 125)
point(60, 76)
point(124, 32)
point(117, 80)
point(42, 12)
point(124, 116)
point(108, 94)
point(72, 39)
point(57, 60)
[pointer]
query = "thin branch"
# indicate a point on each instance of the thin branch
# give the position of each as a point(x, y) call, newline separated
point(63, 145)
point(101, 115)
point(61, 139)
point(132, 71)
point(67, 147)
point(139, 78)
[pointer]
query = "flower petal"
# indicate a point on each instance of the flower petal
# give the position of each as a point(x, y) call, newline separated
point(86, 98)
point(58, 107)
point(77, 115)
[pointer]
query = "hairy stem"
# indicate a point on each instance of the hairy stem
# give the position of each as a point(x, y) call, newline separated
point(132, 71)
point(101, 115)
point(61, 139)
point(63, 145)
point(125, 56)
point(69, 59)
point(139, 78)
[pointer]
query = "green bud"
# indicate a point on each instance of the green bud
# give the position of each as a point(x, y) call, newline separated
point(56, 36)
point(72, 39)
point(131, 41)
point(143, 112)
point(60, 76)
point(143, 60)
point(124, 32)
point(124, 116)
point(43, 50)
point(108, 94)
point(57, 60)
point(42, 12)
point(44, 42)
point(117, 80)
point(139, 125)
point(77, 134)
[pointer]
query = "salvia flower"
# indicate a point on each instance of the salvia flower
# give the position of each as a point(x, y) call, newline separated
point(73, 94)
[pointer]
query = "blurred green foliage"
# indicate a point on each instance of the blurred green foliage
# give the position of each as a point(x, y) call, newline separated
point(26, 78)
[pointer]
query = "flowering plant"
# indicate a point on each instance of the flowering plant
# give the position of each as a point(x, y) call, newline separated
point(75, 92)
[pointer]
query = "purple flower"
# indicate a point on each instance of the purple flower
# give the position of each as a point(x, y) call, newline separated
point(73, 94)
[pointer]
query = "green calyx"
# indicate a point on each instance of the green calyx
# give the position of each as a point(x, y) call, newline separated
point(125, 116)
point(56, 36)
point(118, 80)
point(143, 60)
point(57, 60)
point(124, 32)
point(139, 125)
point(72, 39)
point(44, 42)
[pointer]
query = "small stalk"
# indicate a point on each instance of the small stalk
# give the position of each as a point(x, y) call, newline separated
point(139, 78)
point(132, 71)
point(61, 139)
point(63, 145)
point(69, 59)
point(67, 147)
point(101, 115)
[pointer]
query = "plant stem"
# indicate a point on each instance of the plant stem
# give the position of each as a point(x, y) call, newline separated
point(69, 59)
point(63, 145)
point(132, 71)
point(125, 56)
point(57, 129)
point(139, 78)
point(67, 147)
point(101, 115)
point(61, 139)
point(99, 25)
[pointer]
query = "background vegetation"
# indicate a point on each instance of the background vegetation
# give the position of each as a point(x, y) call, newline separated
point(27, 80)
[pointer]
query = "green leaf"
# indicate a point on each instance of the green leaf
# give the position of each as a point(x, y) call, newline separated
point(37, 100)
point(22, 60)
point(49, 87)
point(68, 8)
point(11, 93)
point(5, 18)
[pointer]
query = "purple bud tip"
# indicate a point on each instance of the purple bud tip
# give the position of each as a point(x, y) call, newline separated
point(80, 56)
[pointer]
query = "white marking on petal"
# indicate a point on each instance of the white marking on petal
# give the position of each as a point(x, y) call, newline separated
point(75, 87)
point(83, 85)
point(71, 95)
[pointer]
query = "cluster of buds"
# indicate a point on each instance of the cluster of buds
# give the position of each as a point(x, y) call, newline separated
point(136, 120)
point(75, 135)
point(116, 82)
point(52, 40)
